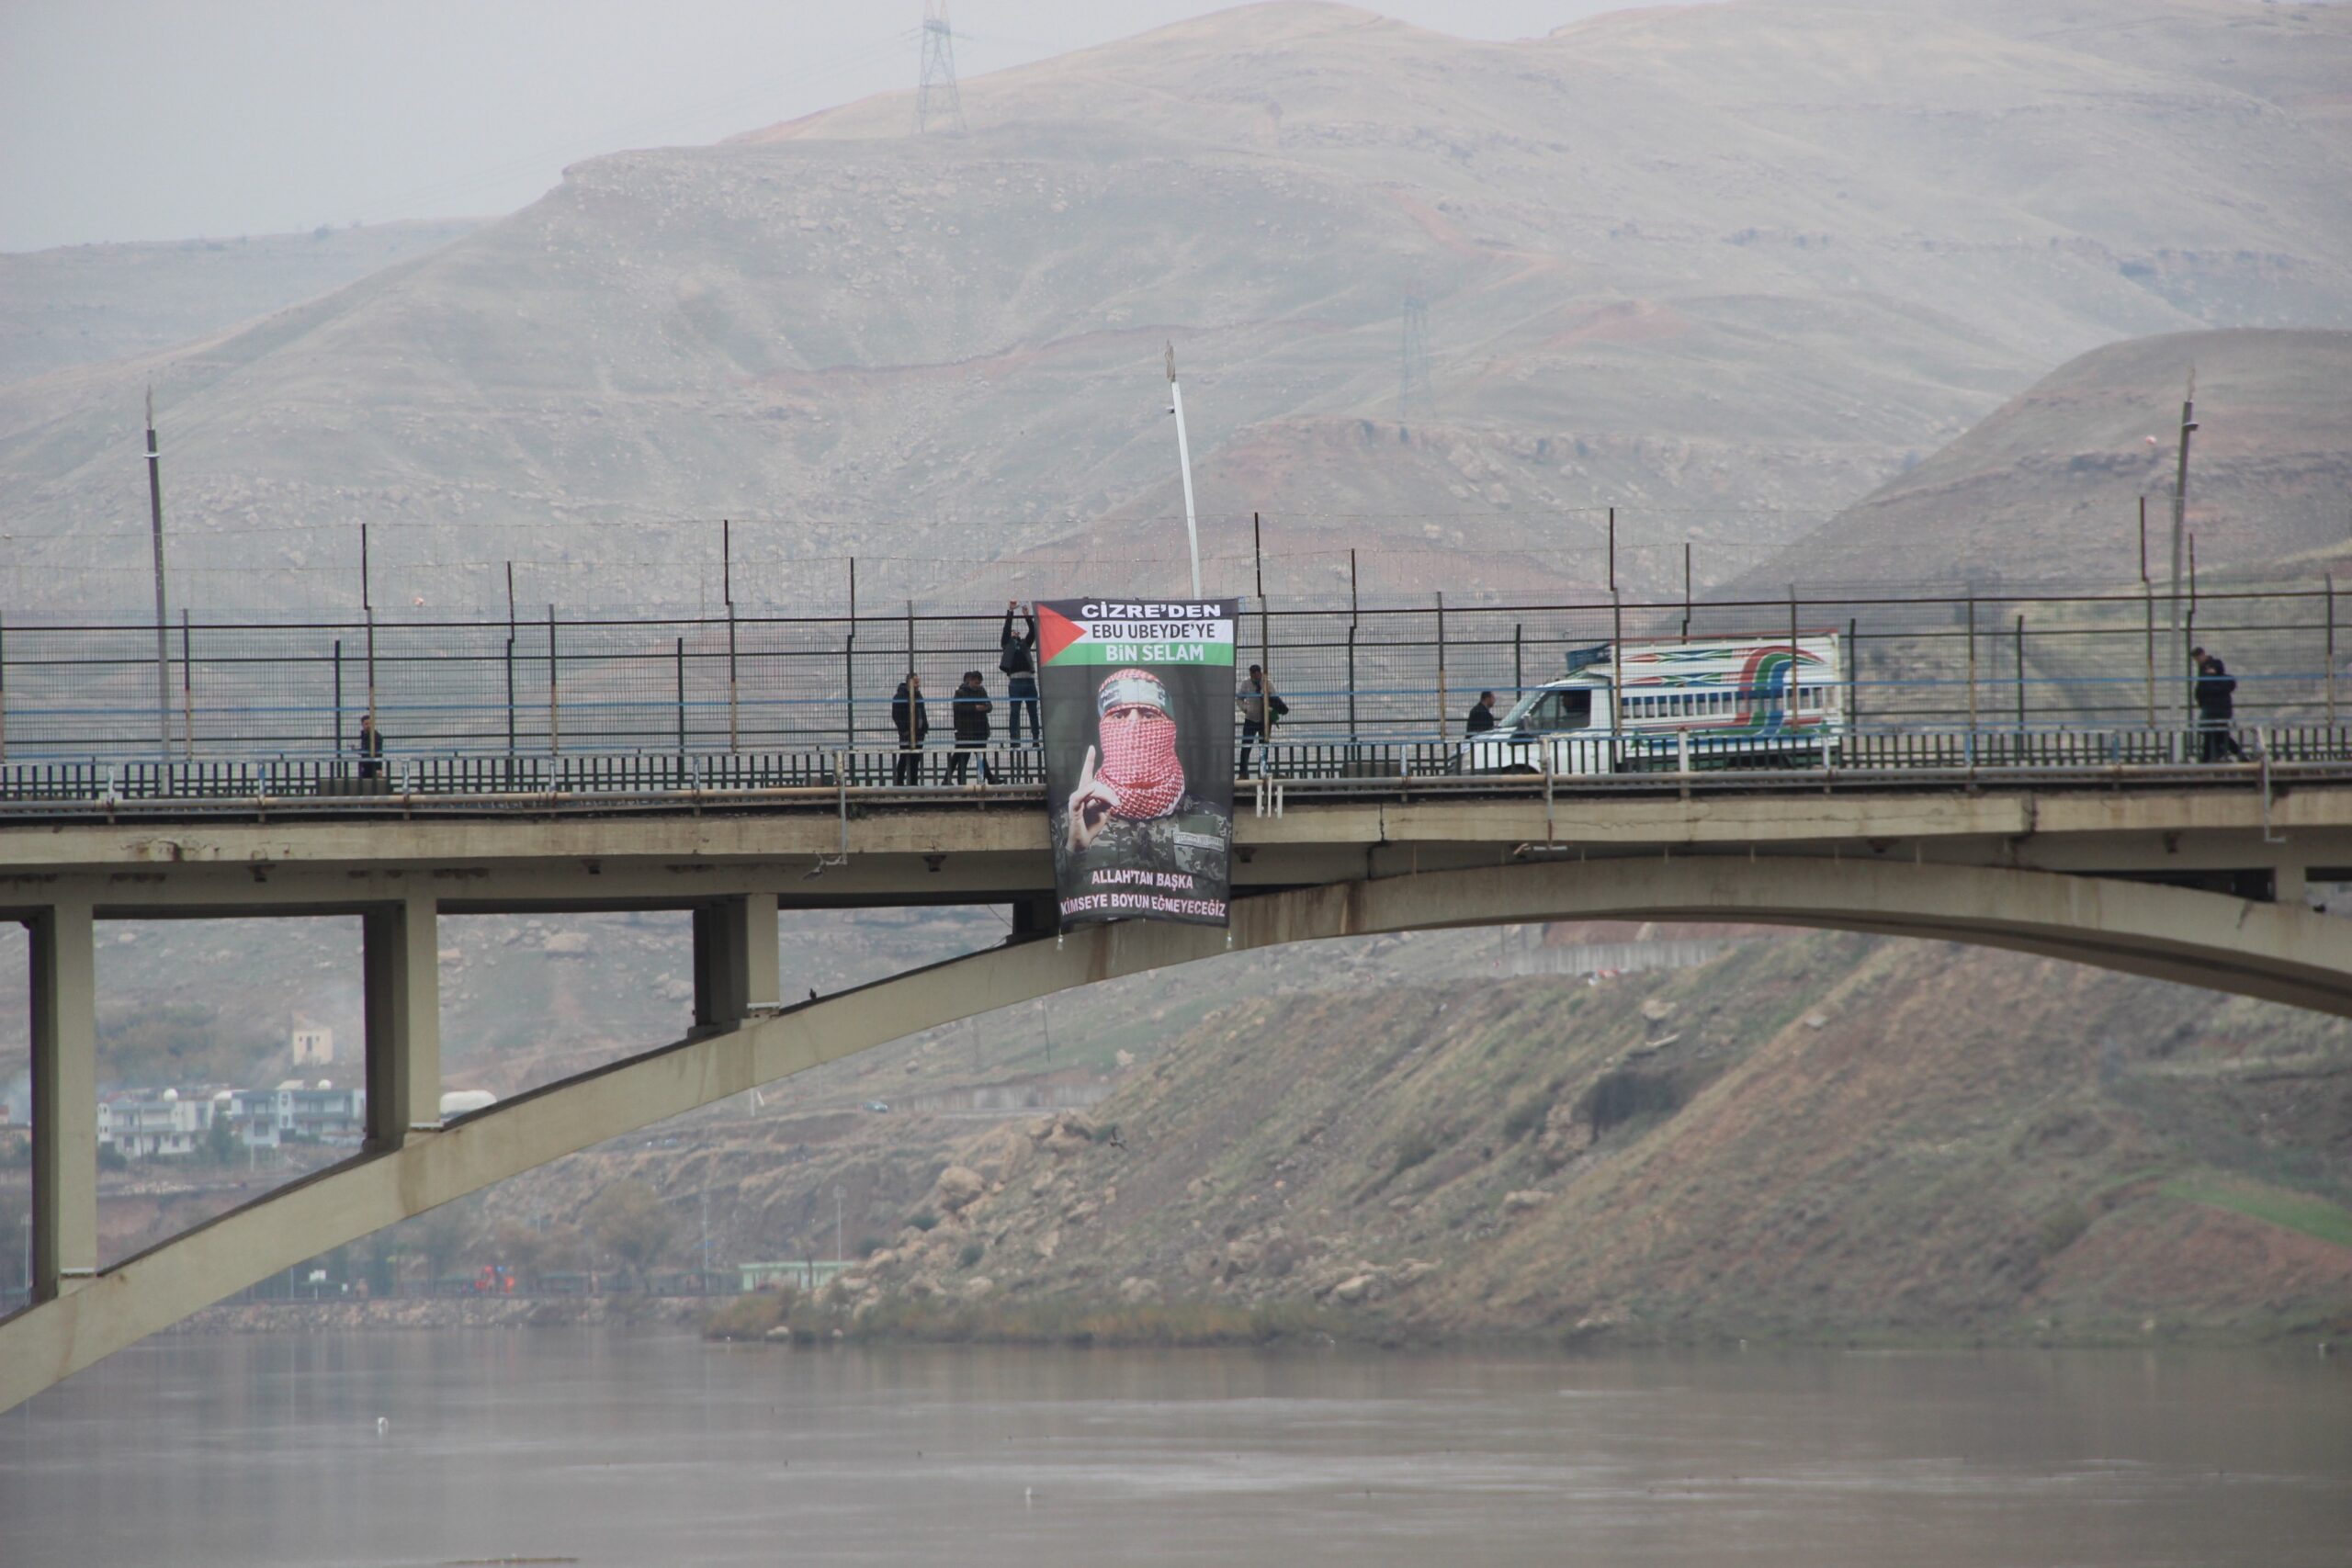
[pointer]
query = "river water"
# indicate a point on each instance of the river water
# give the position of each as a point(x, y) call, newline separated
point(617, 1448)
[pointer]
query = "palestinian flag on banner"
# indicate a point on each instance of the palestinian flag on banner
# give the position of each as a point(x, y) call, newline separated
point(1143, 632)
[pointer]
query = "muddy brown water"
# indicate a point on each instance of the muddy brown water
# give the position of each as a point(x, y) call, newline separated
point(635, 1448)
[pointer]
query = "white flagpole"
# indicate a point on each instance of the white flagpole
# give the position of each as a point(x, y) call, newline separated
point(1184, 465)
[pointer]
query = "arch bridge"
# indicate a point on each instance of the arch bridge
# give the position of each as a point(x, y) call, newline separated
point(2200, 875)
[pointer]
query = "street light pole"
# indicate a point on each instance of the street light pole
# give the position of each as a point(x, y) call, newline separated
point(155, 530)
point(2179, 528)
point(837, 1224)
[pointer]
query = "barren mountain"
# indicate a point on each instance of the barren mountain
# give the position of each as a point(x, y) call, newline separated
point(83, 304)
point(2048, 486)
point(1725, 267)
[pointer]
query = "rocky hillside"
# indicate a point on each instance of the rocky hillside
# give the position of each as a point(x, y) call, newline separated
point(1815, 1135)
point(85, 304)
point(1726, 267)
point(2047, 487)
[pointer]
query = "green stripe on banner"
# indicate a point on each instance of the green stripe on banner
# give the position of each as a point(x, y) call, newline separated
point(1089, 651)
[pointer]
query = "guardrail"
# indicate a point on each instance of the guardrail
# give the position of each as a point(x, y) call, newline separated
point(831, 780)
point(761, 686)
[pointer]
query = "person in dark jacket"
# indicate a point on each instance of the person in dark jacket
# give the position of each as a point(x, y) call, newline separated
point(1019, 662)
point(1260, 708)
point(1482, 715)
point(912, 723)
point(2216, 707)
point(969, 708)
point(371, 748)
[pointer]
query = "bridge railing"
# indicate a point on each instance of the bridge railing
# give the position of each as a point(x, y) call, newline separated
point(763, 687)
point(1869, 757)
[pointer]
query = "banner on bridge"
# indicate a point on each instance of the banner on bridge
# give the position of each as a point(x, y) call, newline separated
point(1138, 697)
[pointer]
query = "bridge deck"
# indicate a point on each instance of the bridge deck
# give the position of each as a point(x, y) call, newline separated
point(2228, 829)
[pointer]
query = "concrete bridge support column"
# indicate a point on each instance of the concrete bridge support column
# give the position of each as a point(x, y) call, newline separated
point(65, 1099)
point(1039, 916)
point(402, 1004)
point(737, 968)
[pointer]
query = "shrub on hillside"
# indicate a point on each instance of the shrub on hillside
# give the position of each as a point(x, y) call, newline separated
point(1627, 1096)
point(747, 1316)
point(1412, 1150)
point(1526, 1116)
point(2061, 1228)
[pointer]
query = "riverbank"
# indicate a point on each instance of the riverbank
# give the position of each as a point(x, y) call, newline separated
point(1112, 1325)
point(778, 1317)
point(345, 1313)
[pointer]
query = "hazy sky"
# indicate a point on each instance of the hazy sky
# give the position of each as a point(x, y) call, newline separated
point(165, 120)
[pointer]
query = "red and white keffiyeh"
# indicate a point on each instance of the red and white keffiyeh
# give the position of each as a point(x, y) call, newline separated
point(1139, 746)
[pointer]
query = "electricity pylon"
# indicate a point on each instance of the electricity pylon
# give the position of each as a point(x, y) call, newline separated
point(938, 103)
point(1414, 394)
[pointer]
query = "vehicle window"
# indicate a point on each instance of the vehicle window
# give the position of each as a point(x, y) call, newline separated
point(1553, 710)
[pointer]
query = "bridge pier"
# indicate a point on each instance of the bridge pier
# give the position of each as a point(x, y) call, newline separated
point(401, 962)
point(737, 968)
point(1038, 916)
point(65, 1099)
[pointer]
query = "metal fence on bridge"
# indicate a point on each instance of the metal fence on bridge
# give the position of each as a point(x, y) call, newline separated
point(484, 695)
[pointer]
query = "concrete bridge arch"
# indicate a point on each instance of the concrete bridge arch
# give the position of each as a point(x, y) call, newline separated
point(2278, 952)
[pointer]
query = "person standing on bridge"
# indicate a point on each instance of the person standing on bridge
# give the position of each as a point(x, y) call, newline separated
point(1260, 708)
point(912, 723)
point(2216, 708)
point(371, 748)
point(1019, 662)
point(1482, 715)
point(969, 709)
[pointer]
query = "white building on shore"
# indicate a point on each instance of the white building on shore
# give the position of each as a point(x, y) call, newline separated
point(143, 1125)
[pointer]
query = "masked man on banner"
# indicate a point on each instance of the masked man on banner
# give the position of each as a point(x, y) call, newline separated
point(1131, 807)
